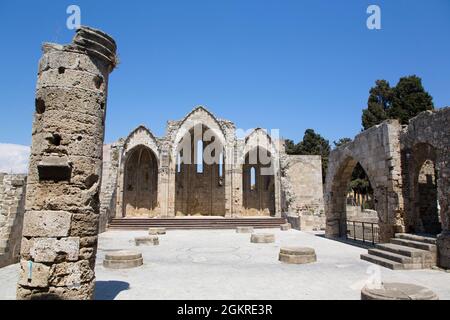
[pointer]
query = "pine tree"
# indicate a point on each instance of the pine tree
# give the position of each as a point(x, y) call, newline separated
point(403, 102)
point(378, 104)
point(409, 99)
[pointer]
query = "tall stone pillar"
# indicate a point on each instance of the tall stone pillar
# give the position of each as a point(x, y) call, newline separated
point(62, 206)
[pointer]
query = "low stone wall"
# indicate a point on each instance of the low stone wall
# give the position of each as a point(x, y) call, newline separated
point(306, 222)
point(12, 208)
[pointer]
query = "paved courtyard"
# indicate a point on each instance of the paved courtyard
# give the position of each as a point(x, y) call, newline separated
point(221, 264)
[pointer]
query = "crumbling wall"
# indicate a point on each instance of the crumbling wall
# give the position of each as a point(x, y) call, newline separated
point(108, 196)
point(12, 209)
point(302, 189)
point(60, 226)
point(427, 137)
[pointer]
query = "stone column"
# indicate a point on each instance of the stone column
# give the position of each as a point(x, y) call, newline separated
point(62, 206)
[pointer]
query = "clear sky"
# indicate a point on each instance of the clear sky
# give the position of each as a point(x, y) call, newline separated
point(289, 65)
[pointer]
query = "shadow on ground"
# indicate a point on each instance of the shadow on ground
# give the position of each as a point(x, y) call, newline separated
point(108, 290)
point(356, 243)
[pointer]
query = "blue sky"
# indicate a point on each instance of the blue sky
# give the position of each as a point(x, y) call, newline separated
point(289, 65)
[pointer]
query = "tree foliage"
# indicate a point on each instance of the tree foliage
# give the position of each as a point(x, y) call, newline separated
point(360, 181)
point(341, 142)
point(312, 144)
point(403, 102)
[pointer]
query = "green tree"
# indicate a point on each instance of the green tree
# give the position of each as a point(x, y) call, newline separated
point(341, 142)
point(378, 104)
point(290, 146)
point(409, 98)
point(403, 102)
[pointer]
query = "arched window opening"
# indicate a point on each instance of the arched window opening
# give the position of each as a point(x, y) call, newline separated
point(252, 178)
point(179, 162)
point(200, 156)
point(221, 165)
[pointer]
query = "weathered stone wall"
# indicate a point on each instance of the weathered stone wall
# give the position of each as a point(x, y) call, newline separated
point(63, 186)
point(404, 166)
point(12, 209)
point(302, 189)
point(378, 151)
point(427, 137)
point(108, 196)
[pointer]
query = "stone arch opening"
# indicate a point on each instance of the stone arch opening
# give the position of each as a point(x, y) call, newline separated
point(140, 183)
point(199, 178)
point(258, 181)
point(354, 203)
point(425, 215)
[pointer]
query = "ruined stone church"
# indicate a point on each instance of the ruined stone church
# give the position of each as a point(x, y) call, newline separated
point(150, 177)
point(77, 187)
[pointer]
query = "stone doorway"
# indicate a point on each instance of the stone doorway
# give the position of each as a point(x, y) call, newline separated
point(140, 183)
point(425, 209)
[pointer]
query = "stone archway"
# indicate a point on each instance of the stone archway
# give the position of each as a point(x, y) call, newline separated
point(258, 181)
point(133, 159)
point(200, 173)
point(350, 223)
point(140, 194)
point(427, 138)
point(423, 214)
point(184, 183)
point(380, 159)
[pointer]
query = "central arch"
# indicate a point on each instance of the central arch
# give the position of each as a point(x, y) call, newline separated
point(199, 173)
point(258, 181)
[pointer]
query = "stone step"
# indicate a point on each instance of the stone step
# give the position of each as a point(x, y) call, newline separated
point(195, 223)
point(414, 244)
point(393, 256)
point(383, 262)
point(402, 250)
point(415, 237)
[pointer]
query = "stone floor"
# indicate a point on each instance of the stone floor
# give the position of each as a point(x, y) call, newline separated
point(221, 264)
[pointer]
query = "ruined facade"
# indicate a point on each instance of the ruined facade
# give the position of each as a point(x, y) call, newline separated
point(249, 176)
point(408, 168)
point(60, 227)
